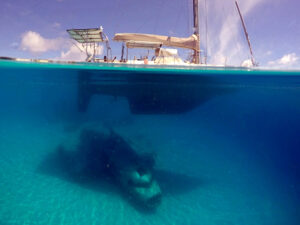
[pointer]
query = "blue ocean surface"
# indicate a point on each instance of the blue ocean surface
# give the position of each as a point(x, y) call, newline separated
point(226, 144)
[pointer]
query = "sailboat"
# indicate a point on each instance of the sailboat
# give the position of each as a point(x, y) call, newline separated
point(151, 87)
point(159, 89)
point(158, 41)
point(90, 40)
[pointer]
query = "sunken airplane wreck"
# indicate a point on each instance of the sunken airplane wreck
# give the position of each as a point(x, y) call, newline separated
point(108, 156)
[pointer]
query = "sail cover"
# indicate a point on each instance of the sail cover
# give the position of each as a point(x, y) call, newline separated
point(93, 35)
point(189, 43)
point(143, 44)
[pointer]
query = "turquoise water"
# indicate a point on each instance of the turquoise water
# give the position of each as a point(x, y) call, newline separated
point(226, 143)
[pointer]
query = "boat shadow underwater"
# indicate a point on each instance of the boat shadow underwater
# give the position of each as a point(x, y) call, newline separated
point(106, 162)
point(154, 92)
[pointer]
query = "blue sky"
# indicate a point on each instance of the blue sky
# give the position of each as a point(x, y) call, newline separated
point(36, 28)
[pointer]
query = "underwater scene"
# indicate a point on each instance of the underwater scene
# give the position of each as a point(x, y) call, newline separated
point(117, 145)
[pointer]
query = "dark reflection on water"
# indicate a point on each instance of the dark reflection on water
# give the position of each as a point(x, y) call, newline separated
point(149, 93)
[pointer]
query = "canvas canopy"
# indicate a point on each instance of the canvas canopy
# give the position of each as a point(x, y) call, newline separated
point(93, 35)
point(143, 44)
point(189, 43)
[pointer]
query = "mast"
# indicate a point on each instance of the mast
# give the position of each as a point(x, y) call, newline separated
point(246, 34)
point(196, 58)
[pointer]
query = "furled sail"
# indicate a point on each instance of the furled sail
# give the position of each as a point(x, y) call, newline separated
point(189, 43)
point(143, 44)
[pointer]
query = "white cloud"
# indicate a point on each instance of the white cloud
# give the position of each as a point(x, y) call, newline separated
point(14, 45)
point(289, 59)
point(77, 53)
point(226, 40)
point(269, 53)
point(247, 63)
point(73, 54)
point(286, 61)
point(56, 25)
point(36, 44)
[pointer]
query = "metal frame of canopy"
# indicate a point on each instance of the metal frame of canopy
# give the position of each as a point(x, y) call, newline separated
point(90, 39)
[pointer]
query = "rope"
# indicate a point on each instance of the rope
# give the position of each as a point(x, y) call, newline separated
point(206, 31)
point(161, 6)
point(120, 9)
point(189, 9)
point(190, 26)
point(178, 18)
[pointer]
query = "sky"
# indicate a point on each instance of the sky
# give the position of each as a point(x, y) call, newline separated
point(37, 28)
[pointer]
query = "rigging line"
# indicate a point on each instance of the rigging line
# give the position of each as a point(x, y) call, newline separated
point(190, 9)
point(74, 43)
point(246, 35)
point(206, 32)
point(178, 18)
point(36, 3)
point(223, 17)
point(191, 25)
point(145, 21)
point(188, 18)
point(161, 7)
point(142, 25)
point(120, 9)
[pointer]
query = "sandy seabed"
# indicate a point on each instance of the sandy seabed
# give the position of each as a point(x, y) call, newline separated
point(203, 181)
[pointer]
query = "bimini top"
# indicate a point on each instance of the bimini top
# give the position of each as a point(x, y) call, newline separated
point(189, 42)
point(92, 35)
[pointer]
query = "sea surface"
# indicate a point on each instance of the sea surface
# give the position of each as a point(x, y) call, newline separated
point(226, 143)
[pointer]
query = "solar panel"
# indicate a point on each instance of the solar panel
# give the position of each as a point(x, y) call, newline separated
point(92, 35)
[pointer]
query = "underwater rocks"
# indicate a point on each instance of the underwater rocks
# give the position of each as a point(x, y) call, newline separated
point(111, 156)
